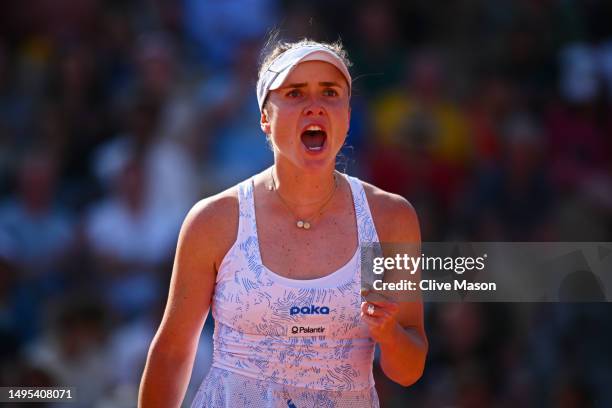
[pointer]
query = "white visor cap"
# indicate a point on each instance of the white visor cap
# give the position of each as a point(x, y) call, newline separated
point(281, 67)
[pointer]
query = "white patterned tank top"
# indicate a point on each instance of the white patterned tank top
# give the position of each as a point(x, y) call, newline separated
point(289, 343)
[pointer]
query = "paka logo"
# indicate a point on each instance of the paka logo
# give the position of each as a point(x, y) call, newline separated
point(308, 310)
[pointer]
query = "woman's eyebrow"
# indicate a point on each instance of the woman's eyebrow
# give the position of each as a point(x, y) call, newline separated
point(296, 85)
point(304, 84)
point(327, 83)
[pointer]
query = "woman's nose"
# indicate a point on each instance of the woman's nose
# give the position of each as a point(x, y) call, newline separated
point(314, 107)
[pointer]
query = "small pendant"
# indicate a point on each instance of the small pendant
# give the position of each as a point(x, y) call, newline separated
point(303, 224)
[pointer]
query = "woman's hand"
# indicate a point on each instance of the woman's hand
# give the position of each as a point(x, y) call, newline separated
point(381, 316)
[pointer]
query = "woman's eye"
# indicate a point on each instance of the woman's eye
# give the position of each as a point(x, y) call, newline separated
point(294, 93)
point(330, 92)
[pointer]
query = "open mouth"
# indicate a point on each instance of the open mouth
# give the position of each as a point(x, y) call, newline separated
point(314, 138)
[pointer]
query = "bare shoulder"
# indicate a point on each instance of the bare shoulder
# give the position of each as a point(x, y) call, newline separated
point(394, 217)
point(212, 223)
point(207, 233)
point(215, 208)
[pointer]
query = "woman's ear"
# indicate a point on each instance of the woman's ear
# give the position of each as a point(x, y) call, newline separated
point(264, 122)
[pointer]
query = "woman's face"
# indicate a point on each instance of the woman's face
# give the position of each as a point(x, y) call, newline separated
point(307, 118)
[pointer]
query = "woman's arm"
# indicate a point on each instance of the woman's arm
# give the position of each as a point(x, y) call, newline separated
point(403, 344)
point(397, 325)
point(206, 235)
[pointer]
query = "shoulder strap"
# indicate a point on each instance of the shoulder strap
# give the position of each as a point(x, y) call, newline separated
point(365, 223)
point(246, 206)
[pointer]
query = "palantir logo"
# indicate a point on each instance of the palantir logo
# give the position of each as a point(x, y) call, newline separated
point(305, 331)
point(308, 310)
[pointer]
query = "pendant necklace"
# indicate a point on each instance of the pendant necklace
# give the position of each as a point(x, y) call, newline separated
point(304, 223)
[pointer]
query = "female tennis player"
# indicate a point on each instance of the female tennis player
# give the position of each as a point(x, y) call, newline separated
point(278, 256)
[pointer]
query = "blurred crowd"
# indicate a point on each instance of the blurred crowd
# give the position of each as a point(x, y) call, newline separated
point(493, 118)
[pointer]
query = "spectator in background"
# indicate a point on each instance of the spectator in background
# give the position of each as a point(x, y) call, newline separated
point(37, 233)
point(228, 109)
point(490, 104)
point(422, 143)
point(14, 116)
point(170, 181)
point(156, 68)
point(73, 352)
point(218, 29)
point(422, 113)
point(580, 129)
point(580, 126)
point(37, 237)
point(127, 353)
point(130, 243)
point(512, 201)
point(380, 56)
point(161, 119)
point(75, 104)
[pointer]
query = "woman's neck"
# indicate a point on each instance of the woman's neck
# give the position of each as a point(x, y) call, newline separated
point(301, 188)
